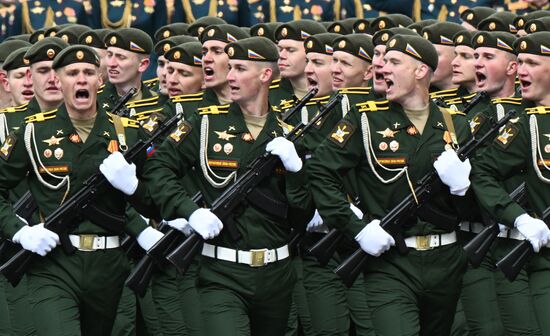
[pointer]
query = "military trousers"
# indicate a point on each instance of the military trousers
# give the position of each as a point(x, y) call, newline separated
point(416, 293)
point(76, 294)
point(239, 300)
point(299, 319)
point(5, 325)
point(538, 271)
point(177, 301)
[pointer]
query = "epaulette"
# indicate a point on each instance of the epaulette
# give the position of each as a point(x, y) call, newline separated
point(508, 100)
point(12, 109)
point(126, 122)
point(286, 104)
point(143, 102)
point(214, 109)
point(151, 82)
point(275, 109)
point(460, 100)
point(538, 110)
point(275, 84)
point(444, 93)
point(453, 111)
point(355, 90)
point(373, 105)
point(318, 100)
point(188, 97)
point(143, 115)
point(100, 89)
point(42, 116)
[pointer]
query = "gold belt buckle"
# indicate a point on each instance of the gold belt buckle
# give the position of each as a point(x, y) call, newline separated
point(87, 242)
point(423, 243)
point(258, 258)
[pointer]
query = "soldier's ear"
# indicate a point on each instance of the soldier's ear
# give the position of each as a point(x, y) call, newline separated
point(512, 68)
point(4, 81)
point(368, 74)
point(144, 64)
point(421, 71)
point(266, 75)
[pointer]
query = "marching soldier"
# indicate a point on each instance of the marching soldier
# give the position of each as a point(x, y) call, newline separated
point(499, 21)
point(96, 39)
point(17, 83)
point(6, 48)
point(380, 147)
point(471, 17)
point(464, 73)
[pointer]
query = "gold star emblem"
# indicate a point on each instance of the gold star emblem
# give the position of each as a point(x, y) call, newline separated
point(52, 141)
point(224, 135)
point(387, 133)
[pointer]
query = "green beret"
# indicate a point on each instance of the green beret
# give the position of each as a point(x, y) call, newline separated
point(21, 37)
point(224, 32)
point(162, 46)
point(52, 31)
point(246, 30)
point(71, 33)
point(321, 43)
point(521, 20)
point(265, 30)
point(442, 33)
point(299, 30)
point(342, 27)
point(189, 53)
point(7, 47)
point(384, 35)
point(358, 45)
point(537, 25)
point(258, 49)
point(535, 43)
point(94, 38)
point(131, 39)
point(362, 26)
point(416, 47)
point(45, 50)
point(500, 21)
point(463, 38)
point(475, 15)
point(497, 39)
point(174, 29)
point(418, 26)
point(37, 36)
point(198, 26)
point(75, 54)
point(390, 21)
point(16, 59)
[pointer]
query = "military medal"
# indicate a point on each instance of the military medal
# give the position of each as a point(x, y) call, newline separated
point(113, 146)
point(447, 139)
point(217, 148)
point(74, 138)
point(228, 148)
point(53, 141)
point(547, 149)
point(247, 137)
point(411, 130)
point(58, 153)
point(394, 146)
point(383, 146)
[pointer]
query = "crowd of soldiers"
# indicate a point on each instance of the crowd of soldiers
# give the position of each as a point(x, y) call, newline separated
point(400, 142)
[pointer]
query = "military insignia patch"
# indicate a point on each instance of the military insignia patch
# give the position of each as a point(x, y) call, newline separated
point(7, 147)
point(341, 133)
point(476, 122)
point(152, 123)
point(506, 136)
point(180, 133)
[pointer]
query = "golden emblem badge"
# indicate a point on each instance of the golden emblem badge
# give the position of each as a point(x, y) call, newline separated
point(80, 55)
point(112, 41)
point(50, 53)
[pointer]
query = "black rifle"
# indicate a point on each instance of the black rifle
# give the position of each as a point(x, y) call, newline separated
point(394, 221)
point(25, 207)
point(65, 218)
point(325, 247)
point(141, 275)
point(513, 262)
point(256, 172)
point(477, 248)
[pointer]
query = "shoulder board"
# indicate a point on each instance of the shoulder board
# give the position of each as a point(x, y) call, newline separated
point(275, 84)
point(142, 115)
point(286, 104)
point(444, 93)
point(214, 109)
point(373, 105)
point(11, 109)
point(188, 97)
point(42, 116)
point(538, 110)
point(143, 102)
point(151, 81)
point(126, 122)
point(101, 87)
point(452, 111)
point(275, 109)
point(314, 101)
point(511, 100)
point(460, 100)
point(355, 90)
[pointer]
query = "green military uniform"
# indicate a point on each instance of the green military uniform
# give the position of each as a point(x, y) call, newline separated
point(445, 10)
point(499, 21)
point(232, 12)
point(291, 10)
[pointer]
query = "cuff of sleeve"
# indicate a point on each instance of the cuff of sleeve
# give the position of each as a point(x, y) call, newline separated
point(510, 214)
point(136, 227)
point(354, 227)
point(12, 228)
point(186, 208)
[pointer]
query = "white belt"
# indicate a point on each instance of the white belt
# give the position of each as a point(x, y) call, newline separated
point(473, 227)
point(428, 242)
point(253, 258)
point(91, 242)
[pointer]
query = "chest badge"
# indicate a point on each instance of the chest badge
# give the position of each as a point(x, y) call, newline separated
point(387, 133)
point(411, 130)
point(394, 146)
point(224, 135)
point(247, 137)
point(74, 138)
point(228, 148)
point(53, 141)
point(48, 153)
point(58, 153)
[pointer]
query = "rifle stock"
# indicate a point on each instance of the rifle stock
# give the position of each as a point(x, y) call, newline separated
point(257, 171)
point(325, 247)
point(392, 222)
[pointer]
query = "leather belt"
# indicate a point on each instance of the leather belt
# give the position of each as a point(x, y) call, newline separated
point(428, 242)
point(92, 242)
point(253, 258)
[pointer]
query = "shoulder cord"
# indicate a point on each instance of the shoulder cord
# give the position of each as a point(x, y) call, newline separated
point(305, 115)
point(4, 130)
point(370, 154)
point(204, 159)
point(345, 105)
point(535, 149)
point(500, 112)
point(29, 134)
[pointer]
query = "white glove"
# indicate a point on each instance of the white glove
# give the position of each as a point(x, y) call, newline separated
point(316, 224)
point(205, 223)
point(534, 230)
point(149, 237)
point(36, 239)
point(502, 227)
point(182, 225)
point(374, 240)
point(286, 151)
point(453, 172)
point(120, 173)
point(356, 211)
